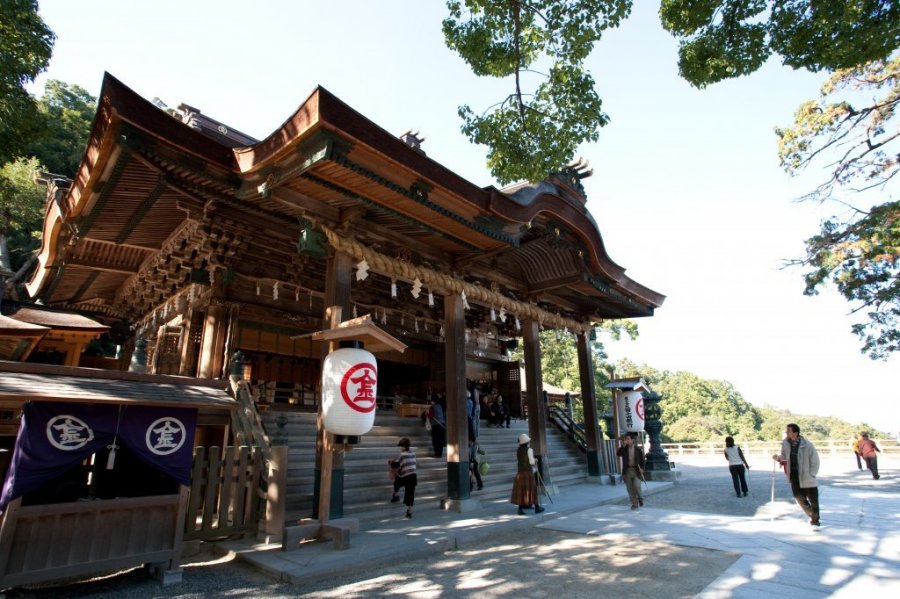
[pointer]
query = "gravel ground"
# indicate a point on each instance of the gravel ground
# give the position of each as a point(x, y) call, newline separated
point(529, 562)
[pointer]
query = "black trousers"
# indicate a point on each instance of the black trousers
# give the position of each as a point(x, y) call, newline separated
point(872, 465)
point(408, 483)
point(807, 498)
point(738, 479)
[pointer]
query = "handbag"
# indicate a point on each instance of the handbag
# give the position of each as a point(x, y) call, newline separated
point(483, 467)
point(428, 424)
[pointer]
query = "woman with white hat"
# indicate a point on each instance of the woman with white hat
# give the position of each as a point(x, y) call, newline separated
point(525, 491)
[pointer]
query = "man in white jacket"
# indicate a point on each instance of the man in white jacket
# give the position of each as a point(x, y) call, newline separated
point(801, 462)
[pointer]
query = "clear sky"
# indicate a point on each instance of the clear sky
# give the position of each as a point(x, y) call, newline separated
point(686, 190)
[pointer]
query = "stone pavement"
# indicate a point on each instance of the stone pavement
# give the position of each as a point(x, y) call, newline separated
point(856, 550)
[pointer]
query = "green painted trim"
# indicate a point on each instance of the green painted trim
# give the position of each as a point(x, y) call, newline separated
point(85, 286)
point(384, 209)
point(418, 193)
point(144, 208)
point(596, 282)
point(321, 146)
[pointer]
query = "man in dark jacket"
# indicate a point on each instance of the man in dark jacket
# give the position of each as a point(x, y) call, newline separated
point(632, 469)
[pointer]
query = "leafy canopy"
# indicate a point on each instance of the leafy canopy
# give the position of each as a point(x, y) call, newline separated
point(854, 127)
point(68, 112)
point(722, 39)
point(25, 47)
point(21, 211)
point(698, 409)
point(535, 130)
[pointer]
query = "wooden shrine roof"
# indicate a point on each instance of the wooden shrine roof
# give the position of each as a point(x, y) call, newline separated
point(21, 382)
point(17, 328)
point(58, 320)
point(157, 205)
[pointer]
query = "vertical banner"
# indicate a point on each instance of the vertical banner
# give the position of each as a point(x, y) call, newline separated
point(630, 409)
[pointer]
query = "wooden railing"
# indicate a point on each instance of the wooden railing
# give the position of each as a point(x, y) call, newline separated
point(567, 426)
point(226, 493)
point(825, 447)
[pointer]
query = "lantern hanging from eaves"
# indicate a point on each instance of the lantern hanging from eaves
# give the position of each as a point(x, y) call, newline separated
point(349, 389)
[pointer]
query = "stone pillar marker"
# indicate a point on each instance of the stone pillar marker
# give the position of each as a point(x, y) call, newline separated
point(658, 466)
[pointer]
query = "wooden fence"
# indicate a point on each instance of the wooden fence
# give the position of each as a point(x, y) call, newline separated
point(40, 543)
point(226, 494)
point(825, 447)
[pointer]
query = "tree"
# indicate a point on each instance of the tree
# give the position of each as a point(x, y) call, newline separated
point(559, 362)
point(721, 39)
point(68, 112)
point(536, 129)
point(25, 47)
point(857, 250)
point(21, 210)
point(702, 401)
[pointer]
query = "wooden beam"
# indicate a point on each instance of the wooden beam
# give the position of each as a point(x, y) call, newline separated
point(102, 266)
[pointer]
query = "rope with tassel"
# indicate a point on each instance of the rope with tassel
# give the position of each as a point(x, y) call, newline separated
point(435, 280)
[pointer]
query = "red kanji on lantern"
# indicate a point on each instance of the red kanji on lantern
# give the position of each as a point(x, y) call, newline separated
point(358, 387)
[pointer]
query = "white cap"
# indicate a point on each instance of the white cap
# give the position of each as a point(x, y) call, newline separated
point(523, 439)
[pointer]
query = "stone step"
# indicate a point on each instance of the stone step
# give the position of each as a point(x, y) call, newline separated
point(367, 489)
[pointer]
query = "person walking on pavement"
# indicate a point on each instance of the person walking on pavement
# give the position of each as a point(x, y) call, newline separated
point(405, 463)
point(525, 491)
point(854, 444)
point(632, 469)
point(801, 461)
point(868, 450)
point(736, 463)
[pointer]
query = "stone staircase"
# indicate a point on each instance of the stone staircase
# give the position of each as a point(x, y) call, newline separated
point(367, 490)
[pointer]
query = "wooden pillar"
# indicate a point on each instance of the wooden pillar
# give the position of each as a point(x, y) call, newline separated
point(214, 329)
point(190, 348)
point(589, 404)
point(73, 353)
point(328, 463)
point(457, 429)
point(534, 383)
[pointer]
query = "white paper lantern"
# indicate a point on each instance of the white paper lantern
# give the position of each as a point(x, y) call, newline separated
point(349, 389)
point(630, 405)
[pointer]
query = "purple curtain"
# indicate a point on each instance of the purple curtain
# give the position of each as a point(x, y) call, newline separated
point(54, 437)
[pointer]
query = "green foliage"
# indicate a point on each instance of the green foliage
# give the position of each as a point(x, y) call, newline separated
point(721, 39)
point(697, 409)
point(534, 132)
point(21, 211)
point(25, 47)
point(559, 362)
point(858, 250)
point(812, 427)
point(696, 428)
point(69, 115)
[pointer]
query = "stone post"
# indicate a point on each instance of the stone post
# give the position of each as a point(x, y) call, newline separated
point(657, 459)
